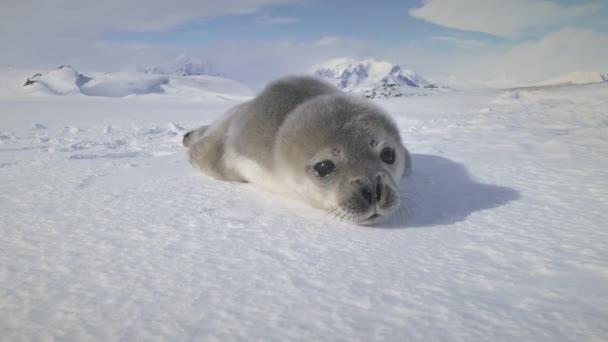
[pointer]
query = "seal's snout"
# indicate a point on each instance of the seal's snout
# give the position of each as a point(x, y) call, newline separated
point(375, 195)
point(371, 200)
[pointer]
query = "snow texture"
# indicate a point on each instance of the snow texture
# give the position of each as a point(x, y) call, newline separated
point(109, 234)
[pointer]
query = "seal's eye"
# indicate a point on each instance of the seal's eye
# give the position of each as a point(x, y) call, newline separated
point(324, 168)
point(387, 155)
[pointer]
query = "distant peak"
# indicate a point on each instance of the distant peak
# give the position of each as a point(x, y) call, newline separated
point(349, 73)
point(184, 65)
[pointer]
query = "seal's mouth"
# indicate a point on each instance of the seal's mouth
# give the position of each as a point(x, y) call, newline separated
point(372, 219)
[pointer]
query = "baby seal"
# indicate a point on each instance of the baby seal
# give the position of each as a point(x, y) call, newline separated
point(305, 139)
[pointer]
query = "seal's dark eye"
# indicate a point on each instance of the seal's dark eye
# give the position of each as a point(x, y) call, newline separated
point(387, 155)
point(324, 168)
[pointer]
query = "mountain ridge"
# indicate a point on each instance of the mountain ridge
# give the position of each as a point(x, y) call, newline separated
point(352, 74)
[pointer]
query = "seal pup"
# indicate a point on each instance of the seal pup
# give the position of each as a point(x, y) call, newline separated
point(304, 138)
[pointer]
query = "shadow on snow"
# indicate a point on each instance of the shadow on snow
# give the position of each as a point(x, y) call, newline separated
point(444, 193)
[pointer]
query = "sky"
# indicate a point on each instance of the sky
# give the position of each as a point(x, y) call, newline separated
point(468, 43)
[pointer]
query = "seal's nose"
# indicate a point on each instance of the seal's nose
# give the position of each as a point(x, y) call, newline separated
point(368, 195)
point(378, 189)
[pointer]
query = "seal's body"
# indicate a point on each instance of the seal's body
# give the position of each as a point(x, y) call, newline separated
point(306, 139)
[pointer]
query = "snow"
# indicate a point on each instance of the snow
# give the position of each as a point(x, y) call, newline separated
point(63, 81)
point(109, 234)
point(351, 74)
point(67, 81)
point(576, 77)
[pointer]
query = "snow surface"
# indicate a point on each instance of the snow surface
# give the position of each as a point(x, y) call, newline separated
point(109, 234)
point(351, 74)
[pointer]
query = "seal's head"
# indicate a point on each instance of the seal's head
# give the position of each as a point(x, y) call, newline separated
point(344, 155)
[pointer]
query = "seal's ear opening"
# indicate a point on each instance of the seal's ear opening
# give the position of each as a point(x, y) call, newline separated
point(407, 163)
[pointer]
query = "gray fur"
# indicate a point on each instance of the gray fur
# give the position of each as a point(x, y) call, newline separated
point(275, 140)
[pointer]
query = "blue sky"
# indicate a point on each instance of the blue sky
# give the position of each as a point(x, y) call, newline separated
point(461, 41)
point(384, 22)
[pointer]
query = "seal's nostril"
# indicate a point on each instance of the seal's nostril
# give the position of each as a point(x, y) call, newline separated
point(367, 195)
point(378, 191)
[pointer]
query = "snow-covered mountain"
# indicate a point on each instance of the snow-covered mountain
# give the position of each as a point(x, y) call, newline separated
point(184, 65)
point(65, 80)
point(577, 77)
point(351, 74)
point(68, 81)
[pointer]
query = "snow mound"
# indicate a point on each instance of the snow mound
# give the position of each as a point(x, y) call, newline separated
point(184, 65)
point(351, 74)
point(577, 77)
point(67, 81)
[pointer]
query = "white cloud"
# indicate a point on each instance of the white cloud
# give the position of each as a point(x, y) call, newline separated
point(271, 20)
point(500, 17)
point(567, 50)
point(557, 53)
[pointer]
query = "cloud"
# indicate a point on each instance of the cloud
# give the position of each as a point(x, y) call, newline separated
point(91, 17)
point(338, 41)
point(270, 20)
point(38, 33)
point(506, 18)
point(461, 42)
point(67, 32)
point(555, 54)
point(569, 49)
point(255, 63)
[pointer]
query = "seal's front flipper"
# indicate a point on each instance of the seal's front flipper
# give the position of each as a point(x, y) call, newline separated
point(193, 136)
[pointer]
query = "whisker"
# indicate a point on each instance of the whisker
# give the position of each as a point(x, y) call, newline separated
point(335, 215)
point(410, 201)
point(329, 212)
point(343, 216)
point(401, 211)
